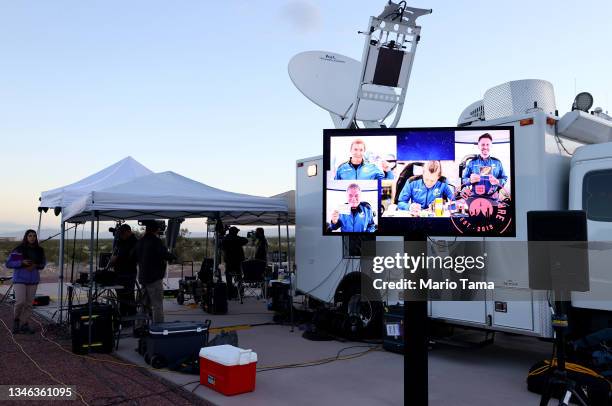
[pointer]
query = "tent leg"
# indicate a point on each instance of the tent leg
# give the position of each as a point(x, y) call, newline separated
point(76, 226)
point(291, 276)
point(280, 262)
point(60, 288)
point(91, 281)
point(39, 220)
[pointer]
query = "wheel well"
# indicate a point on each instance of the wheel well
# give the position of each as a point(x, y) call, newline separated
point(353, 283)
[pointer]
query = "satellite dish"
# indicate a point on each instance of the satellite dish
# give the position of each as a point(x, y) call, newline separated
point(330, 81)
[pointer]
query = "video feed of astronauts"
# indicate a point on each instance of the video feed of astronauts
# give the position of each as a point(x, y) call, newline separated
point(439, 181)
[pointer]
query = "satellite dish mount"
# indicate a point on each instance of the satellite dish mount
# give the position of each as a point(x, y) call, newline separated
point(390, 45)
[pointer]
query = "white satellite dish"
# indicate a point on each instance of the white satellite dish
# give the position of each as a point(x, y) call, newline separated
point(330, 81)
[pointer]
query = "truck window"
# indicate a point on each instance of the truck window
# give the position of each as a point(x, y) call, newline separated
point(597, 195)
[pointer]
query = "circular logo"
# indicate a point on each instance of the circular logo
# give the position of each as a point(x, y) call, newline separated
point(485, 216)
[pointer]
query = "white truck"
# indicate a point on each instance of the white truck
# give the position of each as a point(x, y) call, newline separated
point(559, 161)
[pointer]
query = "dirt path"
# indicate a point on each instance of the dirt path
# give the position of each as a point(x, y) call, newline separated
point(100, 379)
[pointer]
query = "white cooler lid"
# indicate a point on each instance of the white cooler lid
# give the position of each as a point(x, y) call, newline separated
point(228, 355)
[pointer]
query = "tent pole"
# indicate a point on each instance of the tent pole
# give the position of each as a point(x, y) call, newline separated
point(280, 262)
point(289, 271)
point(39, 220)
point(91, 280)
point(60, 288)
point(76, 226)
point(217, 234)
point(97, 257)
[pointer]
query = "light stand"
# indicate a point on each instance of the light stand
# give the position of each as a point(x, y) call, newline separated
point(557, 372)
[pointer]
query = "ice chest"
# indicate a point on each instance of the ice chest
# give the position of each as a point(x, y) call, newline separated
point(228, 369)
point(169, 344)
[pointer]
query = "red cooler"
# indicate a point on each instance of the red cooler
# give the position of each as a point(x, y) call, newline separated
point(228, 369)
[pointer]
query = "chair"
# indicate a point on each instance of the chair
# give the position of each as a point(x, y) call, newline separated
point(253, 278)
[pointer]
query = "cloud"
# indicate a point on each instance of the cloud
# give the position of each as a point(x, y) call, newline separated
point(302, 15)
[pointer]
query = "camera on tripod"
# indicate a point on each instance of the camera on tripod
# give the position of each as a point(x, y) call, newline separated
point(160, 224)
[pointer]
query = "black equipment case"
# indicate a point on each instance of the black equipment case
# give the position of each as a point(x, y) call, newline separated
point(41, 300)
point(170, 344)
point(102, 328)
point(215, 300)
point(393, 324)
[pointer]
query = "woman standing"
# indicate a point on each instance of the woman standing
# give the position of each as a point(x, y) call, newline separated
point(261, 245)
point(26, 260)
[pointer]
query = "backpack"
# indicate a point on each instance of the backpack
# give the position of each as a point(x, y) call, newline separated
point(596, 388)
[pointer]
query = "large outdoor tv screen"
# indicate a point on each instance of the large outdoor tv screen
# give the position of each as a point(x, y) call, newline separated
point(433, 181)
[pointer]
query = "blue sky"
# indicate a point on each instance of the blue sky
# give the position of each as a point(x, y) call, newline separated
point(201, 87)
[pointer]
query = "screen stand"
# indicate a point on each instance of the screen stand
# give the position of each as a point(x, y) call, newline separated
point(416, 339)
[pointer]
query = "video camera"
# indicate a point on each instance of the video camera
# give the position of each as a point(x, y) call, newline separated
point(161, 225)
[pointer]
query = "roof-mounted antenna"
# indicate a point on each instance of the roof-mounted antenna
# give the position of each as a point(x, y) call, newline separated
point(369, 91)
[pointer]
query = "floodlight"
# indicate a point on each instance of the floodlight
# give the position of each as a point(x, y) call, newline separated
point(583, 102)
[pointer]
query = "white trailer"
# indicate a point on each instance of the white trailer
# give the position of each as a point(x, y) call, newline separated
point(554, 155)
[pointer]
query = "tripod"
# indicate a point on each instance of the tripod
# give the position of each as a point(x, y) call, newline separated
point(9, 292)
point(558, 379)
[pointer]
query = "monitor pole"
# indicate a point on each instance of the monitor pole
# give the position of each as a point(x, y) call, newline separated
point(416, 338)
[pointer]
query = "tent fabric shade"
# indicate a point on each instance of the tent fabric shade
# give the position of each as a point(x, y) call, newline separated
point(265, 218)
point(120, 172)
point(170, 195)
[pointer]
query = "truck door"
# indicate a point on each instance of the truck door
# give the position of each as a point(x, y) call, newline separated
point(591, 190)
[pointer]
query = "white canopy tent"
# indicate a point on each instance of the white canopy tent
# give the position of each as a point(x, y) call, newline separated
point(266, 218)
point(119, 172)
point(59, 198)
point(168, 195)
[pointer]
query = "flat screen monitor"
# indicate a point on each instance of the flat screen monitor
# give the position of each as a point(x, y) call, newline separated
point(439, 181)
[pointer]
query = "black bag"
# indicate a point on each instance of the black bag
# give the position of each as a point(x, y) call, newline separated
point(225, 337)
point(215, 301)
point(596, 388)
point(103, 327)
point(41, 300)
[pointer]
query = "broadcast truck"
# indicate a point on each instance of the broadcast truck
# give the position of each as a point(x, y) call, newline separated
point(560, 162)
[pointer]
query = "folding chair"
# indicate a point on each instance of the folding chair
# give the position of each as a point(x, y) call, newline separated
point(253, 278)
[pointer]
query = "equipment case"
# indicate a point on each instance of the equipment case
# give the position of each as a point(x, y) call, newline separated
point(170, 344)
point(393, 333)
point(102, 328)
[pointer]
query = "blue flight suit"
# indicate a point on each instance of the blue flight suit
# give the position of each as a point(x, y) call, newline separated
point(497, 170)
point(363, 171)
point(360, 220)
point(417, 192)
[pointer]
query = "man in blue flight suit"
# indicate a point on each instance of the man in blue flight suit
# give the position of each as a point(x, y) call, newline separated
point(421, 193)
point(357, 167)
point(484, 175)
point(360, 219)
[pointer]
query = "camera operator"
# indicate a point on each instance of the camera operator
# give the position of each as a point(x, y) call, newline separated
point(151, 255)
point(234, 255)
point(125, 268)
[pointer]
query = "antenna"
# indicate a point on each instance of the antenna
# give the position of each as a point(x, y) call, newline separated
point(329, 80)
point(372, 90)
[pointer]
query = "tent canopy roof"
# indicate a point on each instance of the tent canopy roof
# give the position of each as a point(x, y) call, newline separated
point(122, 171)
point(266, 218)
point(170, 195)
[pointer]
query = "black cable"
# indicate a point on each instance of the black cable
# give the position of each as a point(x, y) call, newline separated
point(324, 361)
point(55, 235)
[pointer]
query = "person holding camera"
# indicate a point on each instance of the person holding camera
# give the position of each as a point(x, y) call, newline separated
point(151, 254)
point(26, 260)
point(125, 267)
point(233, 255)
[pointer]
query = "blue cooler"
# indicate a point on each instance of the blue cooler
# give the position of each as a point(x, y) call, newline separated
point(171, 344)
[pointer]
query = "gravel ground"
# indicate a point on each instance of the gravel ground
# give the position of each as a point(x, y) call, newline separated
point(100, 379)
